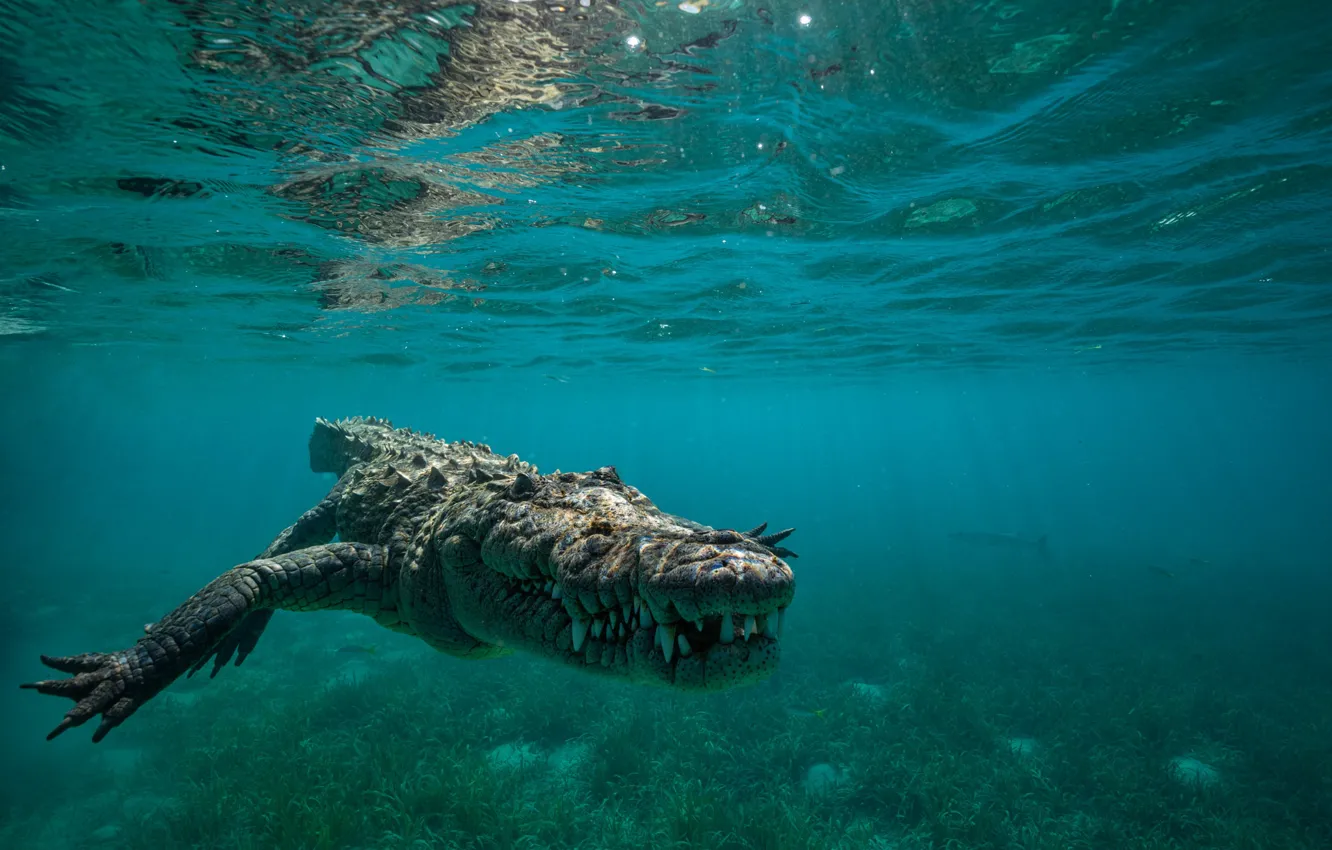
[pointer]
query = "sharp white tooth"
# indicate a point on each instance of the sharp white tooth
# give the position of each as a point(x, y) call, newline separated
point(624, 630)
point(685, 650)
point(666, 639)
point(579, 632)
point(645, 618)
point(598, 627)
point(727, 628)
point(770, 627)
point(548, 587)
point(749, 626)
point(698, 624)
point(614, 617)
point(557, 592)
point(627, 611)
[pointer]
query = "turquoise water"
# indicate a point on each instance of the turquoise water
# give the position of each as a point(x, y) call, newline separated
point(883, 272)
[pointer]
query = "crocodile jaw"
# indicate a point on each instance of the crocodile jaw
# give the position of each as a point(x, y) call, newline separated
point(690, 611)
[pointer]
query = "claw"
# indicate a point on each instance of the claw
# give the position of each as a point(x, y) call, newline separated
point(85, 663)
point(114, 716)
point(775, 537)
point(54, 687)
point(67, 723)
point(756, 530)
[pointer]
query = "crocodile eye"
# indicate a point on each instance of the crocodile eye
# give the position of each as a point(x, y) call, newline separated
point(716, 565)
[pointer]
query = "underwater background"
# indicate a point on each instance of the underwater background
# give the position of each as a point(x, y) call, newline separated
point(1018, 312)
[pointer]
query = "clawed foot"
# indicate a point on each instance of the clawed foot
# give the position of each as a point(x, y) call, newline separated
point(113, 685)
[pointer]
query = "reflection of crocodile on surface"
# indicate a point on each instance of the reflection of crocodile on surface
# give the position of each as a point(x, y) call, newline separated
point(367, 287)
point(389, 205)
point(341, 87)
point(398, 203)
point(477, 555)
point(356, 72)
point(415, 69)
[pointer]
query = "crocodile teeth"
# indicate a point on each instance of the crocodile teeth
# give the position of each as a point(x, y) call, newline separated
point(666, 639)
point(614, 617)
point(781, 621)
point(749, 626)
point(549, 587)
point(557, 592)
point(727, 628)
point(685, 649)
point(598, 628)
point(645, 618)
point(770, 626)
point(579, 632)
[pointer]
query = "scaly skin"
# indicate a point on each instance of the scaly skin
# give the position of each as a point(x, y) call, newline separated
point(477, 555)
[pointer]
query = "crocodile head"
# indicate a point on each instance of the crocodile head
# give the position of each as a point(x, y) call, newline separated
point(583, 569)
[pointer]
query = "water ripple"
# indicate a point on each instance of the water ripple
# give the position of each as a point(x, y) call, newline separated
point(569, 188)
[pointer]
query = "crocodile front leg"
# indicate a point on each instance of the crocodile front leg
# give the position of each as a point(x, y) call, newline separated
point(315, 526)
point(344, 576)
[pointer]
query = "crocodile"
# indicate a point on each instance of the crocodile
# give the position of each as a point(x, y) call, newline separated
point(478, 555)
